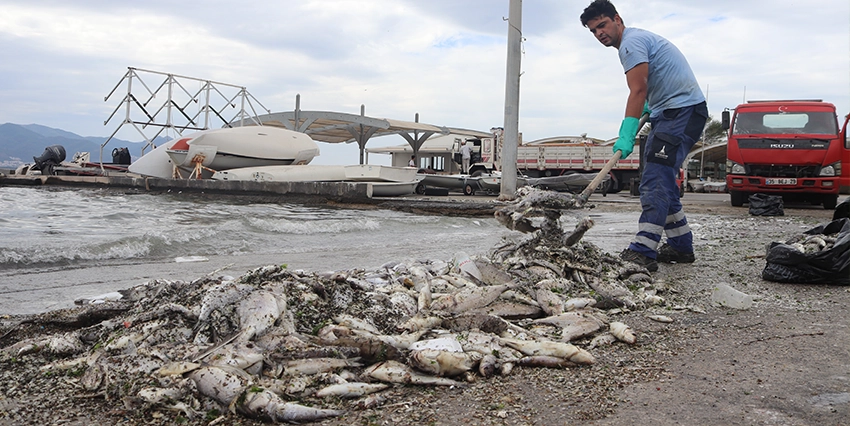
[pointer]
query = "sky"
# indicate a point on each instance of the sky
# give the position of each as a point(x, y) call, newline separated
point(442, 59)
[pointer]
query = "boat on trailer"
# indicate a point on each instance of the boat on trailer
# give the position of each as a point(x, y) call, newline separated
point(201, 154)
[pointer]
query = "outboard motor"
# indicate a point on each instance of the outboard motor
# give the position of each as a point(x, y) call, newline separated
point(121, 156)
point(50, 158)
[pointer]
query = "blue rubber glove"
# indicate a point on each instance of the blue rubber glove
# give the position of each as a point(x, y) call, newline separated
point(646, 110)
point(626, 142)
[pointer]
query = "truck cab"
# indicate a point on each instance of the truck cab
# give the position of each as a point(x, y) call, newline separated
point(788, 148)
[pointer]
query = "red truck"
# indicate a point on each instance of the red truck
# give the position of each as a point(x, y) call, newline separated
point(789, 148)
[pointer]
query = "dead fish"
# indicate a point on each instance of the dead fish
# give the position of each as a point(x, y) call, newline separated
point(372, 401)
point(475, 320)
point(602, 339)
point(258, 312)
point(513, 295)
point(551, 302)
point(661, 318)
point(419, 276)
point(577, 303)
point(469, 298)
point(230, 388)
point(400, 341)
point(559, 349)
point(153, 395)
point(444, 363)
point(420, 321)
point(488, 365)
point(612, 293)
point(458, 281)
point(179, 367)
point(316, 365)
point(243, 356)
point(653, 300)
point(59, 344)
point(510, 310)
point(573, 324)
point(623, 332)
point(219, 296)
point(424, 299)
point(266, 405)
point(396, 372)
point(220, 383)
point(92, 377)
point(368, 347)
point(351, 390)
point(354, 322)
point(545, 361)
point(404, 302)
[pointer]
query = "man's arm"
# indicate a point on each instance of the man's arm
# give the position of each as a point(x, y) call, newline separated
point(636, 80)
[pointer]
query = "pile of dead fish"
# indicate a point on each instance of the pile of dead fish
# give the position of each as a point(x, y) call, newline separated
point(275, 343)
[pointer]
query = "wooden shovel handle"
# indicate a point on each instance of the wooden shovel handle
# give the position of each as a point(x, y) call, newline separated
point(608, 166)
point(600, 176)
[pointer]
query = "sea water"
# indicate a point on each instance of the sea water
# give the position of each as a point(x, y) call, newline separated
point(58, 245)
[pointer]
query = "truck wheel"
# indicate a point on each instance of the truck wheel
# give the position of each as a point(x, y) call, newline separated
point(468, 189)
point(420, 189)
point(682, 190)
point(737, 197)
point(830, 201)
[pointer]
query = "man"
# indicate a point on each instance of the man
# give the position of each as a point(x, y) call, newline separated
point(465, 156)
point(660, 82)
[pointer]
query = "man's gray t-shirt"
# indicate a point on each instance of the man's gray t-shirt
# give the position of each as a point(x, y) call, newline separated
point(671, 83)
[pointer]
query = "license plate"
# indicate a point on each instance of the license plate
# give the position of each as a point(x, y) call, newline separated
point(786, 181)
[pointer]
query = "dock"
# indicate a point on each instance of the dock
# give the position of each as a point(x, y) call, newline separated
point(332, 194)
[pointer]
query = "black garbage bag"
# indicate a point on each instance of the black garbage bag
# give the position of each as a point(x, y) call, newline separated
point(787, 264)
point(766, 205)
point(842, 209)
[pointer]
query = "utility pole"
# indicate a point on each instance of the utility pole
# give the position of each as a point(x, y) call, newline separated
point(511, 135)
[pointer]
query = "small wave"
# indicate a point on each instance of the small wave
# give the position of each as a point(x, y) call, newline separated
point(285, 226)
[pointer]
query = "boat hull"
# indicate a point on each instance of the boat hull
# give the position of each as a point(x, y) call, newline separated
point(230, 148)
point(299, 173)
point(378, 173)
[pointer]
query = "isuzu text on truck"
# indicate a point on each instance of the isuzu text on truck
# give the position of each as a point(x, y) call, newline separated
point(788, 148)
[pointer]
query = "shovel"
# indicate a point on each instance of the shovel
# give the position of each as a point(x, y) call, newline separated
point(582, 198)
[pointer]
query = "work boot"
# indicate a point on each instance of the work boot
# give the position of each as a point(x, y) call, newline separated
point(668, 254)
point(632, 256)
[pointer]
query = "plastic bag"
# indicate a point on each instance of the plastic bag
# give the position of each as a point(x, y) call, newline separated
point(766, 205)
point(787, 264)
point(842, 210)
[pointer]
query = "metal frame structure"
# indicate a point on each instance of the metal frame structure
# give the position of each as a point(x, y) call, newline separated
point(172, 112)
point(339, 127)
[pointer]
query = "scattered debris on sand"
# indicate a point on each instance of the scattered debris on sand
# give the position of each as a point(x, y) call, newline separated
point(287, 345)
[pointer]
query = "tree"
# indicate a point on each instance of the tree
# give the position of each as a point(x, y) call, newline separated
point(713, 132)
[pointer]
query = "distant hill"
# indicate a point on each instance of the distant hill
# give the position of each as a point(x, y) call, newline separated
point(20, 143)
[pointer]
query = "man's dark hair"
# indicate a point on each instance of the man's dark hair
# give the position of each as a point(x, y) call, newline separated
point(596, 9)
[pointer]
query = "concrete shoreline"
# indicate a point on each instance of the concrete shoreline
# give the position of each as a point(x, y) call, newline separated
point(335, 194)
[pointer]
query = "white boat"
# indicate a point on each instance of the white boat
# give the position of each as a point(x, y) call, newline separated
point(714, 186)
point(318, 173)
point(465, 183)
point(574, 182)
point(206, 152)
point(299, 173)
point(393, 189)
point(378, 173)
point(493, 182)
